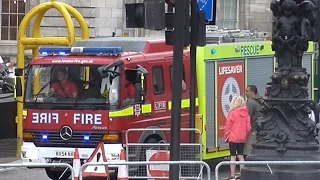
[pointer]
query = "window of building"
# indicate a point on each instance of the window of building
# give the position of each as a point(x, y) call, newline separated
point(184, 85)
point(228, 14)
point(12, 13)
point(158, 80)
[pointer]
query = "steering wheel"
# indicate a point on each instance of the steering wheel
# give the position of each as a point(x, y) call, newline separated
point(53, 94)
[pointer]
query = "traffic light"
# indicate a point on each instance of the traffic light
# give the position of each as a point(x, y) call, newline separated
point(169, 37)
point(149, 15)
point(200, 28)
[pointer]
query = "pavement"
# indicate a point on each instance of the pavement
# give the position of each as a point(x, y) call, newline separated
point(8, 150)
point(6, 97)
point(8, 155)
point(39, 174)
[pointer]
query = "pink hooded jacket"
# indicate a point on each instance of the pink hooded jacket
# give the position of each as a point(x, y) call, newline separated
point(238, 125)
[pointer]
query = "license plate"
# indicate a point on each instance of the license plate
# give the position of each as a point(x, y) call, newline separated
point(64, 154)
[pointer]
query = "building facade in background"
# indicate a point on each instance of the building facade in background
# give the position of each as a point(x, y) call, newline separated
point(106, 18)
point(244, 14)
point(12, 13)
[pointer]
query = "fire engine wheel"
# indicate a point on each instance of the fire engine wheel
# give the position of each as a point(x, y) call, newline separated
point(55, 175)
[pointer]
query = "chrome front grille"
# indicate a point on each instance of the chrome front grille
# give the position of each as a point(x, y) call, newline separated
point(76, 141)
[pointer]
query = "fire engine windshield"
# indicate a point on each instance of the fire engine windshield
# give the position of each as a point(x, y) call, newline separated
point(73, 85)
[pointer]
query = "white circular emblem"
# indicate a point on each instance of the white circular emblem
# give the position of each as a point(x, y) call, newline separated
point(229, 90)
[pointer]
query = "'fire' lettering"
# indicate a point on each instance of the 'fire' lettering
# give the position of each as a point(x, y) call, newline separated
point(88, 119)
point(45, 118)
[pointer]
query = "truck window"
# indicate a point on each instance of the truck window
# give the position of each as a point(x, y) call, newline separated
point(132, 86)
point(158, 83)
point(71, 85)
point(184, 86)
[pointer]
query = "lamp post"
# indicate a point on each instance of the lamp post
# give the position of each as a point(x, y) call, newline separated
point(285, 131)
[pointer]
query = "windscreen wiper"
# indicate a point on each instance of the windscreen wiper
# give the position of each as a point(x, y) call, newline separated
point(42, 88)
point(78, 96)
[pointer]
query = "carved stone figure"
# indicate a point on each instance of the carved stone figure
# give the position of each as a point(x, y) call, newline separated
point(285, 131)
point(292, 30)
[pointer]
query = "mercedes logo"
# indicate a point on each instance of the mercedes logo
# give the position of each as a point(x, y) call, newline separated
point(66, 133)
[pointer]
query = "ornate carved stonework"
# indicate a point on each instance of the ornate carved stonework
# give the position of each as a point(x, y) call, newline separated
point(286, 125)
point(285, 131)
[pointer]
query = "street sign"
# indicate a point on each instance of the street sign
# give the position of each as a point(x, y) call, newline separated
point(98, 156)
point(206, 6)
point(211, 28)
point(161, 170)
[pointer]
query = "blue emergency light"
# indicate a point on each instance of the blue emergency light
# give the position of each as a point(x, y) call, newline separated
point(81, 51)
point(44, 137)
point(102, 50)
point(57, 51)
point(86, 138)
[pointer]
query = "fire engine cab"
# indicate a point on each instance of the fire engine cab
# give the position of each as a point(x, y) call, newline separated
point(94, 91)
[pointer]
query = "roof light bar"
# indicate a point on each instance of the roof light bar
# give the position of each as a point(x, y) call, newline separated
point(81, 51)
point(97, 50)
point(54, 51)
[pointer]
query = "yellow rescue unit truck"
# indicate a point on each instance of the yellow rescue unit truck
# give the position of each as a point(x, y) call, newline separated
point(224, 71)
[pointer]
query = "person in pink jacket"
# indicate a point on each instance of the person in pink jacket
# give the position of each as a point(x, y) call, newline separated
point(237, 129)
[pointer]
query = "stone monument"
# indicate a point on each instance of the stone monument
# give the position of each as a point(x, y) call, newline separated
point(285, 132)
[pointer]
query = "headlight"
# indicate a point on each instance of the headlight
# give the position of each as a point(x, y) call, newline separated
point(32, 154)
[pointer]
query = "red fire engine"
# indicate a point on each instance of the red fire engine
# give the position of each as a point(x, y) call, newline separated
point(95, 91)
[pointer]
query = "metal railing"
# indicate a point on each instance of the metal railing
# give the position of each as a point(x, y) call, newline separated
point(140, 152)
point(201, 163)
point(263, 163)
point(40, 165)
point(197, 131)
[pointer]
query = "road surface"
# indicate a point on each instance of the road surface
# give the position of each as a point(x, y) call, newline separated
point(39, 174)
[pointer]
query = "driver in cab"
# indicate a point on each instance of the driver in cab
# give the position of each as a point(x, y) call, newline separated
point(64, 87)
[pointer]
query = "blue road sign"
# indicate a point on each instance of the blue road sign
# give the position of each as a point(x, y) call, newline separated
point(206, 6)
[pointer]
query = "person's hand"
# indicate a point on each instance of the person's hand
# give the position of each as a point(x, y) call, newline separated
point(226, 140)
point(52, 94)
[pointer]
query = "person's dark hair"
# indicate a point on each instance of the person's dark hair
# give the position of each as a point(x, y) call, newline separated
point(62, 70)
point(253, 88)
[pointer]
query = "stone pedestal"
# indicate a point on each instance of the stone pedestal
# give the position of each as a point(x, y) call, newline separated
point(283, 172)
point(285, 133)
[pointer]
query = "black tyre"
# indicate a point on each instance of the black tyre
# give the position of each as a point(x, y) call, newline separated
point(55, 175)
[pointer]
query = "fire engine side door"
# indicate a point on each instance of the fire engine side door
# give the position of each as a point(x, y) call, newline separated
point(185, 89)
point(160, 93)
